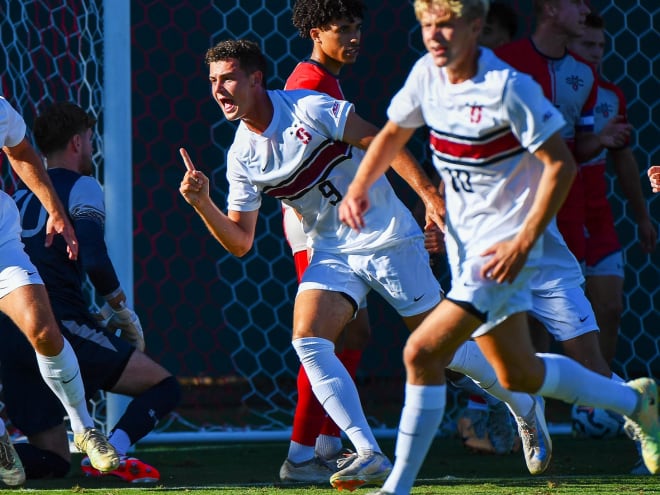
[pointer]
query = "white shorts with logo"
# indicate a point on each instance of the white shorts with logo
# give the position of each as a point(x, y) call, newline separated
point(494, 300)
point(400, 273)
point(565, 312)
point(16, 269)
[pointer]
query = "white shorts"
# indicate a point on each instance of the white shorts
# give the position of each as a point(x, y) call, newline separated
point(293, 230)
point(565, 312)
point(610, 265)
point(494, 300)
point(16, 269)
point(400, 273)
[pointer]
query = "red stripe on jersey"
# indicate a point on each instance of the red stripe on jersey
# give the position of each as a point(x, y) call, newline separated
point(484, 150)
point(314, 169)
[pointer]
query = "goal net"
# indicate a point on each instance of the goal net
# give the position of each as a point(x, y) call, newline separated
point(222, 325)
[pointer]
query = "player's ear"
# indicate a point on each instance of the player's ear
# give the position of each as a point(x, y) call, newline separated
point(256, 78)
point(76, 141)
point(315, 35)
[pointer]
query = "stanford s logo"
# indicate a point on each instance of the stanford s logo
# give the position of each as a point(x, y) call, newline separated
point(475, 113)
point(303, 135)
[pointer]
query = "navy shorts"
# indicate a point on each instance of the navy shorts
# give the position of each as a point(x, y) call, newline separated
point(31, 405)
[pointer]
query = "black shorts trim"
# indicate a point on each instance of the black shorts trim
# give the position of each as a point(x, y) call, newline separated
point(470, 309)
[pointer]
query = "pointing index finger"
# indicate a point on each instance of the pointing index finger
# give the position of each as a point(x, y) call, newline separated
point(186, 160)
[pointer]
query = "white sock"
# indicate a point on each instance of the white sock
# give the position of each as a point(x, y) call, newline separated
point(299, 453)
point(469, 360)
point(335, 390)
point(120, 440)
point(327, 446)
point(571, 382)
point(421, 416)
point(62, 375)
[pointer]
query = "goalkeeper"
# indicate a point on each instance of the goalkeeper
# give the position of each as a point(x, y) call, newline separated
point(63, 133)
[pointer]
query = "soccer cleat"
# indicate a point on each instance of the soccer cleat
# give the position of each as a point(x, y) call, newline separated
point(314, 470)
point(472, 430)
point(357, 470)
point(536, 441)
point(101, 453)
point(11, 467)
point(130, 469)
point(501, 431)
point(643, 425)
point(333, 460)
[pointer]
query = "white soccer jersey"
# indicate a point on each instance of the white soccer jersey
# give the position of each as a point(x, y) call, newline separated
point(12, 132)
point(301, 160)
point(483, 133)
point(12, 125)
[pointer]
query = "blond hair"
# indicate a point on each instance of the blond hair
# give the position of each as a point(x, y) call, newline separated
point(469, 9)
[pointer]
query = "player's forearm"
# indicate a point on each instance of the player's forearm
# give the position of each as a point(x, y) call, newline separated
point(558, 174)
point(627, 172)
point(411, 171)
point(384, 149)
point(587, 146)
point(29, 168)
point(227, 232)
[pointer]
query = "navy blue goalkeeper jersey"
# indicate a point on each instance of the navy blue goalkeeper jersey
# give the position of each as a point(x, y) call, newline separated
point(82, 198)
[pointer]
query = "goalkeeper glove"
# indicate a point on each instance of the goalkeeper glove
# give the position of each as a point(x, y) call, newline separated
point(126, 321)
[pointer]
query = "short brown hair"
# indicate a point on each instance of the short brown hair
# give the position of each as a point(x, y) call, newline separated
point(58, 123)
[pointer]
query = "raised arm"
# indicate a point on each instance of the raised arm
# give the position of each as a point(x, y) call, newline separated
point(235, 230)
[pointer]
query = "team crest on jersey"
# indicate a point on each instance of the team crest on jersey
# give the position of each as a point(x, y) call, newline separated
point(304, 136)
point(604, 109)
point(475, 113)
point(575, 82)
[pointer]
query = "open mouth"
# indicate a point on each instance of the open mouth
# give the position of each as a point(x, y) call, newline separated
point(227, 105)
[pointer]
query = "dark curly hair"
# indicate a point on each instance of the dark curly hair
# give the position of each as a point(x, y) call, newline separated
point(58, 123)
point(309, 14)
point(249, 55)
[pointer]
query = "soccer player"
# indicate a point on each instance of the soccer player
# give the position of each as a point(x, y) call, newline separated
point(63, 133)
point(303, 147)
point(24, 300)
point(604, 257)
point(490, 127)
point(334, 27)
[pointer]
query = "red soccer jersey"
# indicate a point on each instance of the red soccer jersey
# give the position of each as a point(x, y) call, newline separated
point(312, 75)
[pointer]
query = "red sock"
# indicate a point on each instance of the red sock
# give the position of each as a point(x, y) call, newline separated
point(309, 415)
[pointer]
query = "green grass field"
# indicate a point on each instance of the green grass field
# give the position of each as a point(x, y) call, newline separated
point(579, 467)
